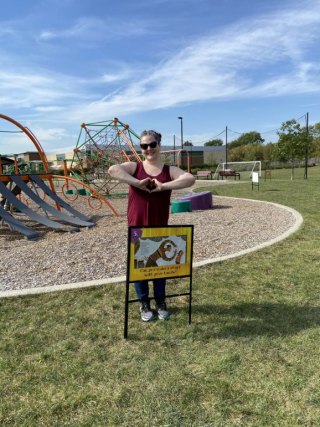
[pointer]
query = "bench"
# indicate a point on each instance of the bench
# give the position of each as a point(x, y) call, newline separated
point(204, 174)
point(229, 172)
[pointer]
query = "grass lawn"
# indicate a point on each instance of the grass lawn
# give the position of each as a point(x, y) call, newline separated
point(250, 358)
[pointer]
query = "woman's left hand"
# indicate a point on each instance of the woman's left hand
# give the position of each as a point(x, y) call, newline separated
point(158, 186)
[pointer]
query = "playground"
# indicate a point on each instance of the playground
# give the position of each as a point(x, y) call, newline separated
point(249, 358)
point(48, 209)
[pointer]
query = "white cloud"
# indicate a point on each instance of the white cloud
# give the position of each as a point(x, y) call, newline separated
point(49, 109)
point(268, 56)
point(115, 77)
point(47, 35)
point(227, 65)
point(90, 28)
point(50, 134)
point(305, 78)
point(48, 137)
point(31, 89)
point(82, 27)
point(6, 30)
point(15, 143)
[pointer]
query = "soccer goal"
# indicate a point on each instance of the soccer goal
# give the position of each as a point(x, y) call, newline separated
point(245, 168)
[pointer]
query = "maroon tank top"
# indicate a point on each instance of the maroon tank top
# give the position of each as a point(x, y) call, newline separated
point(149, 208)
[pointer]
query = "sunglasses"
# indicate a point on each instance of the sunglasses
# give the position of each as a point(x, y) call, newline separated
point(152, 144)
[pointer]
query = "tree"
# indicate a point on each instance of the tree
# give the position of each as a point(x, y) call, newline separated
point(214, 143)
point(315, 145)
point(270, 151)
point(254, 152)
point(315, 130)
point(237, 154)
point(247, 138)
point(188, 144)
point(292, 142)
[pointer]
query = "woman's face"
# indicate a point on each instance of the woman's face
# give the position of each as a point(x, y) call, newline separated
point(149, 147)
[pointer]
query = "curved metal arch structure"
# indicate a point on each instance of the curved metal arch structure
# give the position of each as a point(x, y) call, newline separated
point(91, 194)
point(32, 137)
point(36, 143)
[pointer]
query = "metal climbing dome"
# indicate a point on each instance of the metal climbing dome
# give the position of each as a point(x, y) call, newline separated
point(99, 146)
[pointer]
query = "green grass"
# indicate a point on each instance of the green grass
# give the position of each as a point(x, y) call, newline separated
point(250, 358)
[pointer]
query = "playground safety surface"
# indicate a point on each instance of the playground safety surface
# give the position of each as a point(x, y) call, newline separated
point(97, 256)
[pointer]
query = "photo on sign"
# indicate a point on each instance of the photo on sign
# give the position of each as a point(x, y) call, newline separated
point(160, 251)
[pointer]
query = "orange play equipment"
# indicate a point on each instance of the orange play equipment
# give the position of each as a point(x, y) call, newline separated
point(92, 192)
point(18, 188)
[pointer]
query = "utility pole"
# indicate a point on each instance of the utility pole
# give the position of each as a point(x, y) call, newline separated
point(306, 148)
point(174, 147)
point(181, 124)
point(226, 147)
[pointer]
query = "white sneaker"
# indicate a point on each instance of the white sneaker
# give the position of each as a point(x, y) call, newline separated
point(163, 313)
point(146, 312)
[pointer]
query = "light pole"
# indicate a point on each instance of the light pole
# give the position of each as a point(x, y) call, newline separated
point(181, 124)
point(306, 148)
point(226, 147)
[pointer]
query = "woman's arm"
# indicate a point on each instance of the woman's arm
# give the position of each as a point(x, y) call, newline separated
point(124, 173)
point(180, 179)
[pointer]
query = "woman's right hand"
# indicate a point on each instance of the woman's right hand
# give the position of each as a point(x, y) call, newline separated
point(145, 185)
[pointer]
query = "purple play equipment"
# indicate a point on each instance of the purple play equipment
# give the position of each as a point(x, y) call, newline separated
point(199, 201)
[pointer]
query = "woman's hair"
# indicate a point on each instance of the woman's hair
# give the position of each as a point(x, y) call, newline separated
point(156, 135)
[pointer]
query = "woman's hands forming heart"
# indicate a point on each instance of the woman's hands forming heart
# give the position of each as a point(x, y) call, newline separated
point(150, 185)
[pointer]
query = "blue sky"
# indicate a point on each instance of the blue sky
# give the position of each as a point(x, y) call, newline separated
point(245, 64)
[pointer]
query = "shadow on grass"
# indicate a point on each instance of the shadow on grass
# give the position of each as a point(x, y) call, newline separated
point(249, 319)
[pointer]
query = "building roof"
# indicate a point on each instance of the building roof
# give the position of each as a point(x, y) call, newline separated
point(6, 160)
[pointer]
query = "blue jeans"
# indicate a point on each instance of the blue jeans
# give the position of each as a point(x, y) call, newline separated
point(159, 290)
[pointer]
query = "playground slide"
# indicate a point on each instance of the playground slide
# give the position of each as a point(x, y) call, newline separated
point(49, 208)
point(17, 225)
point(56, 198)
point(30, 213)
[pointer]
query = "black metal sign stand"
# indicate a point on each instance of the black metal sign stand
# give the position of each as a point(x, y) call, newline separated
point(128, 281)
point(254, 184)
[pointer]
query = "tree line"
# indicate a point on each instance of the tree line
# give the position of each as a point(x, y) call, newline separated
point(295, 143)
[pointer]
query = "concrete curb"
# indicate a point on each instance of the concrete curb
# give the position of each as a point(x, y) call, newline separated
point(122, 279)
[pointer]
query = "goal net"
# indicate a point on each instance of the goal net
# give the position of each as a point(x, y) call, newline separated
point(245, 168)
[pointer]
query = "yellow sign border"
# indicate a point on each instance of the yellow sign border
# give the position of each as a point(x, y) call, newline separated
point(137, 274)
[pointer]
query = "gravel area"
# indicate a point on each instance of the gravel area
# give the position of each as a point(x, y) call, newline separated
point(57, 258)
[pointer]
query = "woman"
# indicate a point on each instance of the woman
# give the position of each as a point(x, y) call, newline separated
point(150, 185)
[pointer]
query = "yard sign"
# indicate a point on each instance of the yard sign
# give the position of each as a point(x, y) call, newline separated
point(158, 253)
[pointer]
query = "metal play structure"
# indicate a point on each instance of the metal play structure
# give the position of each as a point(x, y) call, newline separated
point(106, 143)
point(99, 146)
point(30, 193)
